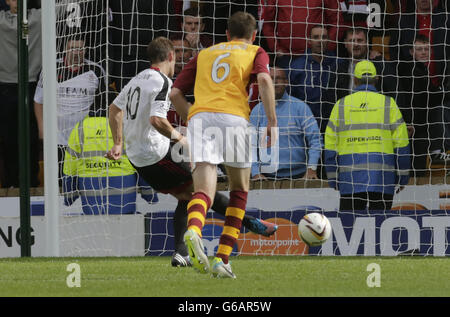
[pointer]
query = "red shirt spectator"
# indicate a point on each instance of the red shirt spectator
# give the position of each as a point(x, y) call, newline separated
point(286, 27)
point(424, 22)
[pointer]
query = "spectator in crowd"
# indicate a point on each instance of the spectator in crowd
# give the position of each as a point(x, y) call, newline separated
point(87, 17)
point(105, 187)
point(134, 24)
point(429, 20)
point(423, 106)
point(357, 49)
point(376, 16)
point(9, 92)
point(81, 83)
point(287, 26)
point(299, 137)
point(179, 6)
point(183, 53)
point(311, 75)
point(216, 14)
point(356, 13)
point(366, 146)
point(193, 28)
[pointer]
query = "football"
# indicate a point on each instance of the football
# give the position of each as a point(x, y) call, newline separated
point(314, 229)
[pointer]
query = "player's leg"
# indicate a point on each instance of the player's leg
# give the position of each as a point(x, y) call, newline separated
point(181, 255)
point(169, 177)
point(355, 201)
point(239, 179)
point(380, 201)
point(205, 178)
point(253, 224)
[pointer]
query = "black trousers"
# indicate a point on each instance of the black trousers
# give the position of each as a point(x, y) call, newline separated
point(367, 200)
point(9, 134)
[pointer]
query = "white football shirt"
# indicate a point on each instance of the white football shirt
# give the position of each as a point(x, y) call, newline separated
point(146, 95)
point(75, 94)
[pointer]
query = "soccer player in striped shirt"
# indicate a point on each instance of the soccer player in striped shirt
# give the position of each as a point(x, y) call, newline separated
point(221, 75)
point(139, 116)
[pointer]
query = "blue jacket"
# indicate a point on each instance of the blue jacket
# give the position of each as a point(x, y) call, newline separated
point(313, 83)
point(299, 138)
point(113, 195)
point(105, 187)
point(365, 155)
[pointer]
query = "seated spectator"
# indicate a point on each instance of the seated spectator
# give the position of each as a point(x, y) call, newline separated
point(193, 28)
point(9, 87)
point(423, 106)
point(299, 137)
point(286, 26)
point(81, 83)
point(105, 187)
point(356, 13)
point(183, 52)
point(429, 20)
point(311, 76)
point(357, 49)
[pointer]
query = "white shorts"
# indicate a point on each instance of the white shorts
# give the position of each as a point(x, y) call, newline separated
point(220, 138)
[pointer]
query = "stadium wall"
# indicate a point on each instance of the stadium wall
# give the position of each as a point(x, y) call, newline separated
point(418, 224)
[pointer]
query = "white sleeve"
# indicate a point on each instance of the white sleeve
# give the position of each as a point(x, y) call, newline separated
point(161, 105)
point(121, 99)
point(39, 92)
point(159, 109)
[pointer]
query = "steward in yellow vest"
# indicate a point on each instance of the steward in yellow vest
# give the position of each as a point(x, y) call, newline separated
point(367, 150)
point(105, 186)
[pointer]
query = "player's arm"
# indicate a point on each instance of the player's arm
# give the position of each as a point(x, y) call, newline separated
point(158, 116)
point(115, 122)
point(39, 106)
point(267, 94)
point(163, 126)
point(39, 113)
point(180, 103)
point(184, 84)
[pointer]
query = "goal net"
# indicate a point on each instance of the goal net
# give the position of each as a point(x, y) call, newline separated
point(102, 45)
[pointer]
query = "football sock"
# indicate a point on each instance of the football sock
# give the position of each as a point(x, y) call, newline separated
point(180, 227)
point(233, 221)
point(197, 208)
point(220, 205)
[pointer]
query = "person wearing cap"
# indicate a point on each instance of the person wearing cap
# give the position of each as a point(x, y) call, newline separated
point(367, 154)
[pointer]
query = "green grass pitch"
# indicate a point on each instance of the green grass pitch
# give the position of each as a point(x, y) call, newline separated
point(263, 276)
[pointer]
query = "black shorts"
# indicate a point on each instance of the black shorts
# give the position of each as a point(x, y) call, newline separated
point(167, 176)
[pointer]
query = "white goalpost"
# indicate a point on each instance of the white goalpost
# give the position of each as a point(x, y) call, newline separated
point(51, 189)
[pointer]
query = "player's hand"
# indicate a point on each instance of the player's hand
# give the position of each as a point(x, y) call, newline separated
point(374, 54)
point(310, 174)
point(183, 142)
point(280, 52)
point(271, 135)
point(193, 38)
point(41, 134)
point(259, 177)
point(115, 153)
point(411, 130)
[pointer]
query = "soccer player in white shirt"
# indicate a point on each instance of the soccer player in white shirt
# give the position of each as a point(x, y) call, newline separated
point(139, 116)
